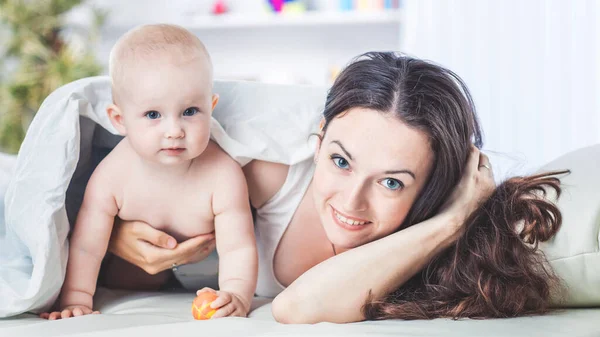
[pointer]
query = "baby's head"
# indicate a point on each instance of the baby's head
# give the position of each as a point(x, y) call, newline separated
point(161, 78)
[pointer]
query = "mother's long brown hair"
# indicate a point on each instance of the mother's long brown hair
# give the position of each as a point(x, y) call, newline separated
point(494, 269)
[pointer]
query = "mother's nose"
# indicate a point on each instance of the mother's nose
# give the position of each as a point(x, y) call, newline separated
point(356, 197)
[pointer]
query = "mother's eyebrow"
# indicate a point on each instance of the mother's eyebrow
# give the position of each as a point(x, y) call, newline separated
point(343, 148)
point(409, 172)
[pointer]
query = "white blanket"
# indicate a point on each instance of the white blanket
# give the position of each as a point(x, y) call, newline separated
point(7, 162)
point(69, 136)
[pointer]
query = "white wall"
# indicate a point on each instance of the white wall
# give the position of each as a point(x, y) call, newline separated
point(283, 55)
point(294, 54)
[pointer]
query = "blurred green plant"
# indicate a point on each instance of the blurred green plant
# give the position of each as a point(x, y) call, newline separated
point(39, 52)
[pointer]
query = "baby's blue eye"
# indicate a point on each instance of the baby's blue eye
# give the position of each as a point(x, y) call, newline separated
point(340, 162)
point(152, 114)
point(190, 111)
point(392, 184)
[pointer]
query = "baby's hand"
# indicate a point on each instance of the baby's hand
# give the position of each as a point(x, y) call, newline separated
point(70, 311)
point(227, 304)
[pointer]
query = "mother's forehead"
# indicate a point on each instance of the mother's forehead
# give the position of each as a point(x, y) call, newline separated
point(378, 134)
point(369, 121)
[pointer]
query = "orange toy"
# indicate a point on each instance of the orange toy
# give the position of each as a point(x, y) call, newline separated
point(201, 306)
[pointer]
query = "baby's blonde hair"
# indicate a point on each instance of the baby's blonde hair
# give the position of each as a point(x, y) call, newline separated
point(147, 42)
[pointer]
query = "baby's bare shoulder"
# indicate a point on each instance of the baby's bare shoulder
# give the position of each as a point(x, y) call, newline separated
point(215, 162)
point(111, 171)
point(217, 170)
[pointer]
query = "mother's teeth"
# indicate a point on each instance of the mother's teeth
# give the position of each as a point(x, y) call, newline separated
point(348, 221)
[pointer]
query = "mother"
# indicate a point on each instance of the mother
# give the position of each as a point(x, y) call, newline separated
point(397, 216)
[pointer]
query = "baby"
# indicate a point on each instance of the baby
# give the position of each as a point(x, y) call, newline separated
point(166, 171)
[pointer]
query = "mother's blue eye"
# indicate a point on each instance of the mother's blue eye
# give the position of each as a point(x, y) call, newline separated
point(392, 184)
point(152, 114)
point(190, 111)
point(340, 162)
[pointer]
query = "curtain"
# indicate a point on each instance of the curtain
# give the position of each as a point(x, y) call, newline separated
point(532, 66)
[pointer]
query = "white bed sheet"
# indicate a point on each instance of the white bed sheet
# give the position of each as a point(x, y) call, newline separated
point(168, 314)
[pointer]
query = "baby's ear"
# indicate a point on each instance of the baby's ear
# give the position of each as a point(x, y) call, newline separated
point(215, 100)
point(116, 118)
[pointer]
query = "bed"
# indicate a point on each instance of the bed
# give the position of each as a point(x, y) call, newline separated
point(168, 314)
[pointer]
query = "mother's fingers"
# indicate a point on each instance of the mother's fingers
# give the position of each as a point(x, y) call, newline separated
point(142, 231)
point(487, 183)
point(194, 249)
point(197, 242)
point(157, 259)
point(202, 253)
point(478, 180)
point(484, 162)
point(472, 161)
point(485, 167)
point(154, 236)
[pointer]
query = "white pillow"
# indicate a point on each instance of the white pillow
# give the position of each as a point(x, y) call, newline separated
point(71, 133)
point(574, 252)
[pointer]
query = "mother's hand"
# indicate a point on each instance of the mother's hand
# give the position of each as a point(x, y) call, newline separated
point(475, 186)
point(153, 250)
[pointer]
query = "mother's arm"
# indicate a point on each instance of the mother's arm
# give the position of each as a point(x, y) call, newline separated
point(336, 289)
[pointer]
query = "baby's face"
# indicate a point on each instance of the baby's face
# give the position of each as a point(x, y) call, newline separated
point(167, 109)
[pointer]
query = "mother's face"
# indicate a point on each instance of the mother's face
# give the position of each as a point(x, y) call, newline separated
point(370, 169)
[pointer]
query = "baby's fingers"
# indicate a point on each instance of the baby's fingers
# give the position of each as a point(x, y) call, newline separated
point(225, 311)
point(66, 313)
point(222, 300)
point(206, 289)
point(83, 311)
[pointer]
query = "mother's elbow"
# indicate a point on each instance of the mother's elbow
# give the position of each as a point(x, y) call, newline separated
point(281, 310)
point(288, 311)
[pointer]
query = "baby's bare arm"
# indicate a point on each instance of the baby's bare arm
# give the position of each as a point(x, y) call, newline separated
point(89, 241)
point(234, 230)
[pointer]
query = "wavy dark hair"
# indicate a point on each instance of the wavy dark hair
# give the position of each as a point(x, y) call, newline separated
point(494, 269)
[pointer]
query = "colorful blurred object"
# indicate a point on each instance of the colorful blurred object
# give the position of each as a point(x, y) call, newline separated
point(40, 54)
point(287, 6)
point(277, 5)
point(346, 5)
point(296, 6)
point(220, 7)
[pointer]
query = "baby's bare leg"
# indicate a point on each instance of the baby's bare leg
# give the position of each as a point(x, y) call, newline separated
point(120, 274)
